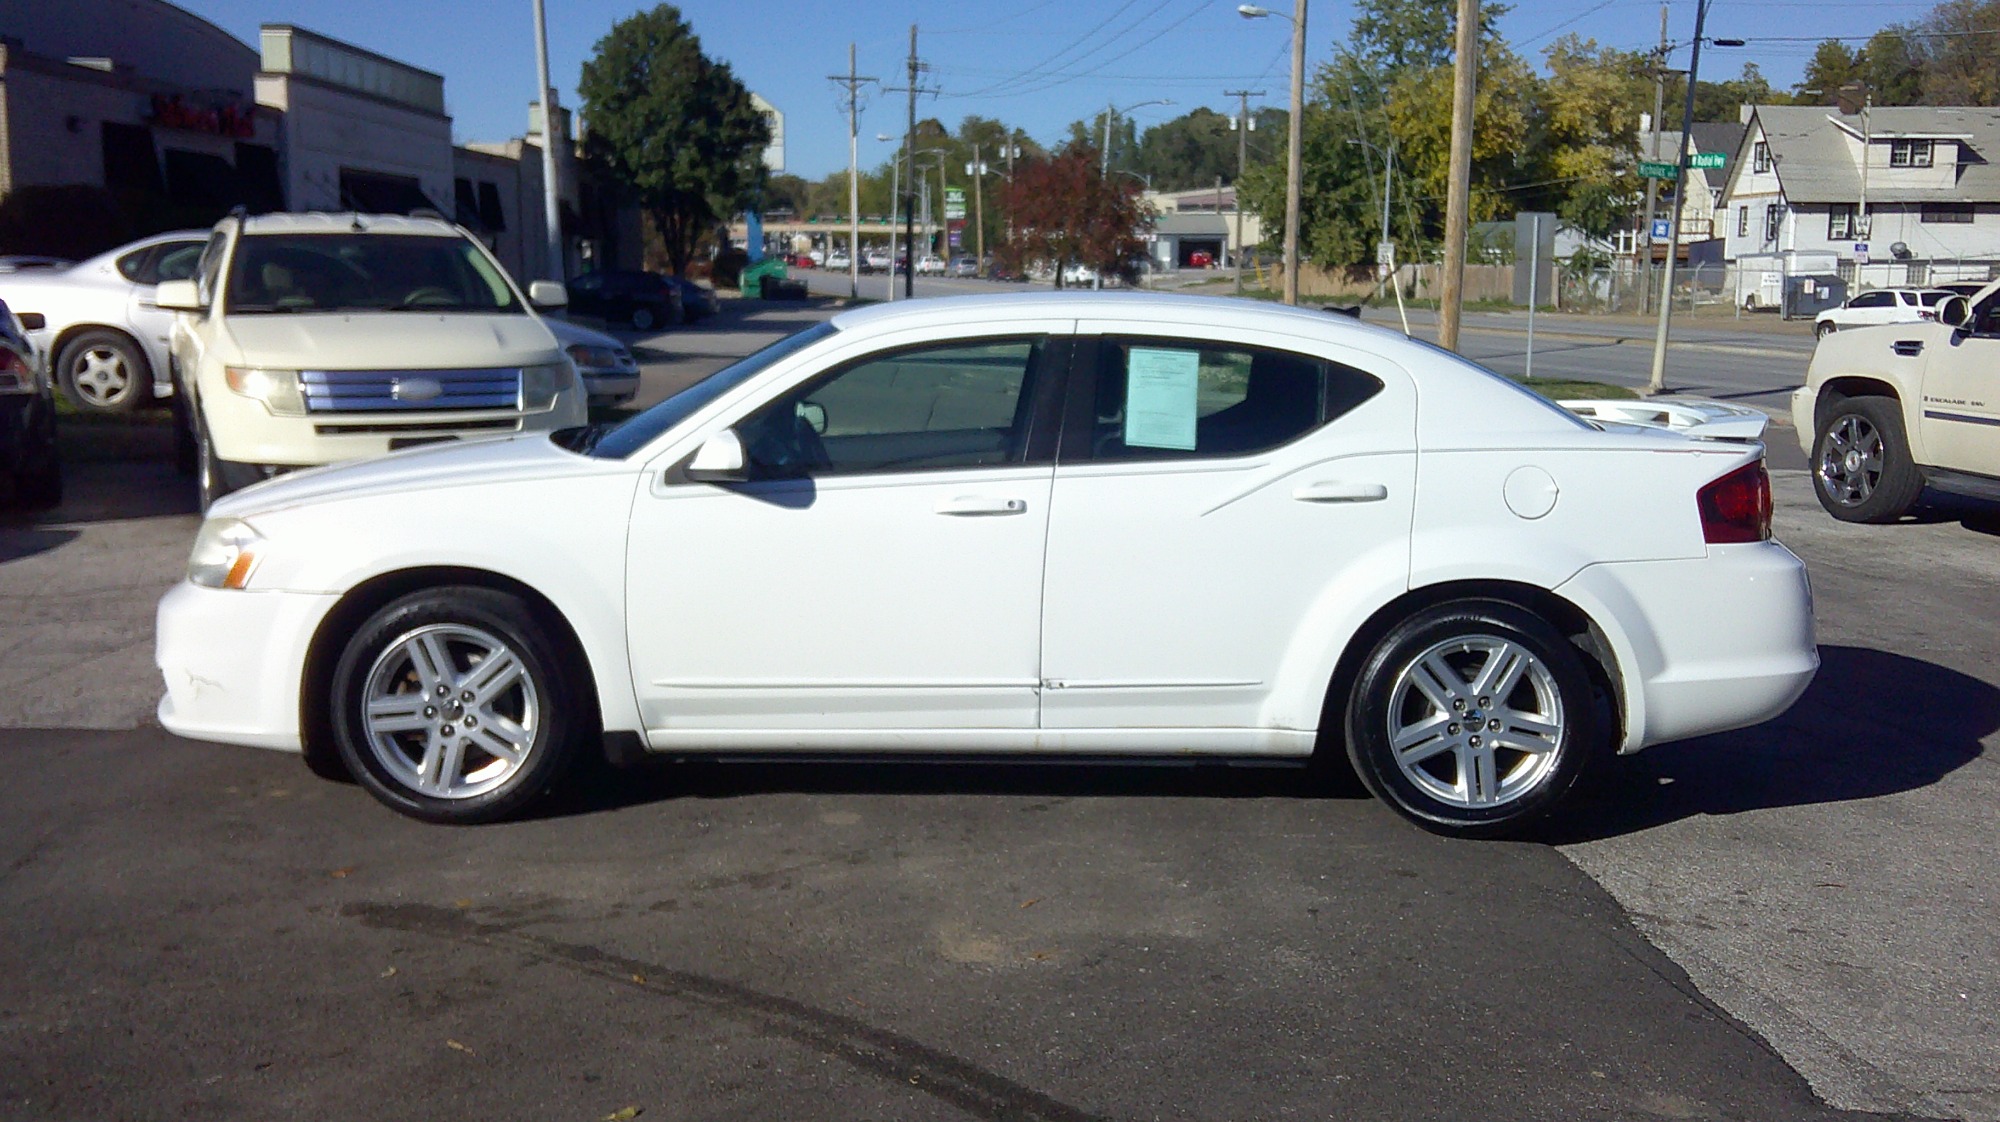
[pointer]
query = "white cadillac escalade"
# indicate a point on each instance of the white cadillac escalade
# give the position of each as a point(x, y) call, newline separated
point(309, 339)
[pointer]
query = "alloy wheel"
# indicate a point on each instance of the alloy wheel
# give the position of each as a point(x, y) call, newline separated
point(1850, 460)
point(1476, 721)
point(101, 377)
point(450, 711)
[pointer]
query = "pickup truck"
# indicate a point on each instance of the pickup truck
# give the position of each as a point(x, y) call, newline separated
point(1891, 409)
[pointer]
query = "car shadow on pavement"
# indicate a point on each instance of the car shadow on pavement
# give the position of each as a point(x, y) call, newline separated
point(1871, 724)
point(1976, 515)
point(23, 540)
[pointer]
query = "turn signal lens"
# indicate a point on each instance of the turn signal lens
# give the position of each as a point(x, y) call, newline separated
point(225, 554)
point(1737, 507)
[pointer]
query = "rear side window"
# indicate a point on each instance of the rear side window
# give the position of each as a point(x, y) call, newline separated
point(1179, 399)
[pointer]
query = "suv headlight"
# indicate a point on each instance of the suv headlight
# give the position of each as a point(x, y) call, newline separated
point(277, 389)
point(225, 554)
point(588, 357)
point(541, 384)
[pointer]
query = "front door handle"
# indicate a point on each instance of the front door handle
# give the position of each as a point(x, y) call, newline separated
point(1337, 491)
point(1908, 348)
point(972, 506)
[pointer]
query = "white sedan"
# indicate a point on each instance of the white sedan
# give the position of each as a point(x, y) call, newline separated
point(1052, 524)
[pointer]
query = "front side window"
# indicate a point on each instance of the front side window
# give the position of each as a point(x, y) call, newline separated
point(366, 273)
point(952, 405)
point(1179, 399)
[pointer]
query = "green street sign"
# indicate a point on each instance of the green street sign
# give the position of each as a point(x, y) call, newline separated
point(1651, 170)
point(954, 204)
point(1713, 160)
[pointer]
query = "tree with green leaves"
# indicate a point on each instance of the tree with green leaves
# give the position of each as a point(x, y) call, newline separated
point(673, 128)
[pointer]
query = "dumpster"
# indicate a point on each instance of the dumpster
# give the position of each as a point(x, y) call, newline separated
point(752, 282)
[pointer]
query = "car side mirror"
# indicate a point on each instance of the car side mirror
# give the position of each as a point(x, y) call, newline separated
point(719, 460)
point(1956, 311)
point(547, 294)
point(177, 296)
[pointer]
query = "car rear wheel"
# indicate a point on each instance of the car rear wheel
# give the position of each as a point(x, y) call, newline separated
point(1862, 469)
point(103, 372)
point(1825, 329)
point(1473, 718)
point(642, 319)
point(454, 705)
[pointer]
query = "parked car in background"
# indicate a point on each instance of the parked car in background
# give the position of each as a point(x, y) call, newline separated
point(800, 261)
point(875, 260)
point(1077, 273)
point(1201, 259)
point(838, 259)
point(315, 338)
point(1967, 289)
point(30, 468)
point(963, 266)
point(930, 265)
point(30, 262)
point(643, 300)
point(98, 323)
point(698, 301)
point(1885, 413)
point(610, 374)
point(1881, 305)
point(854, 501)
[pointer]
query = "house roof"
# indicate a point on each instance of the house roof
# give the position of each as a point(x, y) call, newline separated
point(1810, 145)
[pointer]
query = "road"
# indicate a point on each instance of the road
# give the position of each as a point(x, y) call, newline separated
point(1778, 923)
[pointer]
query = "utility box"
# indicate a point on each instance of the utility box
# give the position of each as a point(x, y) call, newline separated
point(752, 282)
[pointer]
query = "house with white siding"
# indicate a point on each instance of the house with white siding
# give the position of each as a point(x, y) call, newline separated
point(1898, 195)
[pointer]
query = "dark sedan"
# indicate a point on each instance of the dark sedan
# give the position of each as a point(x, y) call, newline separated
point(30, 472)
point(698, 301)
point(646, 301)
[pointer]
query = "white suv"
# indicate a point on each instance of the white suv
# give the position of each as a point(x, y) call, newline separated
point(309, 339)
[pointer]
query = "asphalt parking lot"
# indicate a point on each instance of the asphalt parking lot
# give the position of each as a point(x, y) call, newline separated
point(1792, 921)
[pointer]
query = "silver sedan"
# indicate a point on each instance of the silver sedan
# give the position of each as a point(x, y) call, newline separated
point(98, 323)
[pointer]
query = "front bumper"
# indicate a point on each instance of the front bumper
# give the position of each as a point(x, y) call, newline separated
point(1804, 403)
point(1704, 645)
point(233, 661)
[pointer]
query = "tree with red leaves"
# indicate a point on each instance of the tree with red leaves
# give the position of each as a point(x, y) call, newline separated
point(1065, 210)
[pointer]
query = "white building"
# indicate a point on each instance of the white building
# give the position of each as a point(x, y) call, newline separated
point(1902, 195)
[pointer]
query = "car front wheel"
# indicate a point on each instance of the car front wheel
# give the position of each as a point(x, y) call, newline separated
point(1473, 718)
point(642, 319)
point(1824, 329)
point(453, 705)
point(1862, 469)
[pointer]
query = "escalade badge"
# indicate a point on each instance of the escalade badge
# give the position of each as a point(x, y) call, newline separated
point(416, 389)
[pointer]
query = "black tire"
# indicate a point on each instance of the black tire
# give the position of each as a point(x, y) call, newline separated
point(104, 372)
point(40, 483)
point(1861, 464)
point(642, 319)
point(1823, 330)
point(187, 448)
point(1520, 786)
point(215, 476)
point(546, 702)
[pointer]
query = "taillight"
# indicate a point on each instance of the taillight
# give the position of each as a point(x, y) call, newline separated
point(1737, 507)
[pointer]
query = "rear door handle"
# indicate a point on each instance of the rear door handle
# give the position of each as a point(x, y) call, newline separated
point(1908, 348)
point(1337, 491)
point(972, 506)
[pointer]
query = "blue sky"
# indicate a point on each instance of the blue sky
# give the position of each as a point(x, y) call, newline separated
point(1038, 64)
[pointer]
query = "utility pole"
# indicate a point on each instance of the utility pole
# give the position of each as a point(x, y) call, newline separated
point(1653, 185)
point(895, 194)
point(1295, 150)
point(551, 186)
point(1458, 187)
point(977, 170)
point(1242, 160)
point(910, 204)
point(1658, 382)
point(853, 83)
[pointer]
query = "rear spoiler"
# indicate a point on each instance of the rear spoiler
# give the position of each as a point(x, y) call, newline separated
point(1695, 418)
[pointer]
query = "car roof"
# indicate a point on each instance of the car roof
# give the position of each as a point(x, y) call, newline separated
point(322, 222)
point(1168, 309)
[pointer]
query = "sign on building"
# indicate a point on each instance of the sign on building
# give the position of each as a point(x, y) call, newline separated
point(954, 204)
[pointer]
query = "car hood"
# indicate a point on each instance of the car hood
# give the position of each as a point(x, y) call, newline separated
point(431, 467)
point(390, 340)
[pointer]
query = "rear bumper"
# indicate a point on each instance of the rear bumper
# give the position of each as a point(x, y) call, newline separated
point(1704, 645)
point(232, 662)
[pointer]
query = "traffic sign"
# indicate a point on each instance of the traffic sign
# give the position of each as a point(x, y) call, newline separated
point(1861, 253)
point(1385, 253)
point(954, 204)
point(1651, 170)
point(1713, 161)
point(1663, 228)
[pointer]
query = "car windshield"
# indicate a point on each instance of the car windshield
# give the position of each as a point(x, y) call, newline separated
point(364, 272)
point(621, 441)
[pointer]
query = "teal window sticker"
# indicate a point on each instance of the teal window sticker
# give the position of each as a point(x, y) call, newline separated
point(1160, 398)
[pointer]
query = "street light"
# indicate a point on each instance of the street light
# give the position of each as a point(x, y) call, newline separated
point(1294, 140)
point(1104, 157)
